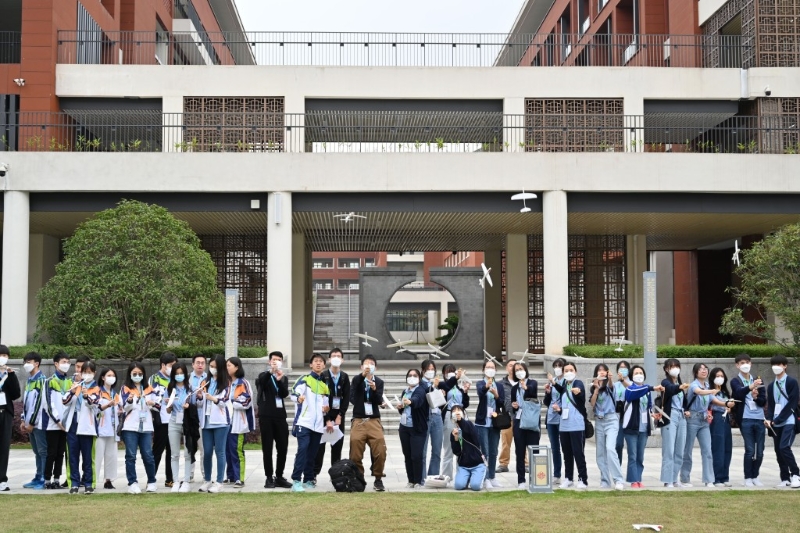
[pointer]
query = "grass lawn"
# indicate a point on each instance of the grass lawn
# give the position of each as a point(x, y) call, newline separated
point(424, 511)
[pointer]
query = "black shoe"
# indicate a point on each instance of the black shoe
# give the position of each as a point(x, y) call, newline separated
point(108, 485)
point(63, 485)
point(281, 483)
point(73, 490)
point(88, 490)
point(378, 485)
point(269, 483)
point(49, 485)
point(168, 484)
point(502, 469)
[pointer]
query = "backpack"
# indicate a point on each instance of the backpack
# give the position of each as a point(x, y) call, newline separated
point(346, 477)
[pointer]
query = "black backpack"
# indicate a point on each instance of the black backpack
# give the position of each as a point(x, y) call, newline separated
point(346, 477)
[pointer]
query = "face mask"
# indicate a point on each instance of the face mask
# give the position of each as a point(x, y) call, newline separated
point(569, 376)
point(451, 375)
point(137, 379)
point(719, 381)
point(412, 381)
point(777, 370)
point(4, 360)
point(520, 374)
point(623, 372)
point(745, 368)
point(638, 378)
point(456, 417)
point(489, 372)
point(28, 367)
point(168, 371)
point(558, 371)
point(110, 380)
point(64, 367)
point(213, 371)
point(179, 378)
point(278, 365)
point(371, 368)
point(88, 378)
point(674, 372)
point(336, 361)
point(430, 374)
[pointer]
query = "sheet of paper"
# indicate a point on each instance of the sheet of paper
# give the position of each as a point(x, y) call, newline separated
point(333, 437)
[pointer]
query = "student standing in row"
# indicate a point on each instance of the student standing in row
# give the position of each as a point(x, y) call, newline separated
point(57, 385)
point(606, 423)
point(673, 430)
point(9, 393)
point(429, 383)
point(507, 435)
point(636, 421)
point(243, 421)
point(471, 466)
point(413, 430)
point(749, 413)
point(34, 416)
point(782, 403)
point(490, 401)
point(622, 383)
point(215, 422)
point(552, 400)
point(198, 381)
point(339, 401)
point(107, 425)
point(273, 389)
point(454, 396)
point(699, 397)
point(138, 402)
point(177, 403)
point(83, 399)
point(366, 396)
point(523, 390)
point(572, 427)
point(311, 395)
point(159, 383)
point(721, 438)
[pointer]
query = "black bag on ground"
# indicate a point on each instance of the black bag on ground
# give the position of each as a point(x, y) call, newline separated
point(346, 477)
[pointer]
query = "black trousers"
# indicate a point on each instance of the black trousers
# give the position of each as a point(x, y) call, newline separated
point(160, 445)
point(274, 430)
point(6, 423)
point(522, 439)
point(336, 452)
point(572, 443)
point(56, 447)
point(412, 444)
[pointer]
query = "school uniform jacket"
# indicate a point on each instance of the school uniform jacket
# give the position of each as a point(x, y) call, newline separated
point(215, 414)
point(792, 392)
point(108, 419)
point(159, 383)
point(447, 385)
point(740, 392)
point(138, 411)
point(86, 408)
point(419, 410)
point(55, 388)
point(243, 418)
point(33, 402)
point(483, 390)
point(309, 413)
point(632, 417)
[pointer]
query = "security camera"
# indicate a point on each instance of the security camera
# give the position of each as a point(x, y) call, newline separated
point(767, 91)
point(3, 169)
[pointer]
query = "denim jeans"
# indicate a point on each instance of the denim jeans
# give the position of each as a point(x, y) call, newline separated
point(470, 477)
point(673, 443)
point(490, 440)
point(214, 443)
point(697, 427)
point(721, 447)
point(38, 439)
point(636, 442)
point(144, 442)
point(605, 434)
point(753, 433)
point(555, 448)
point(447, 448)
point(306, 457)
point(435, 437)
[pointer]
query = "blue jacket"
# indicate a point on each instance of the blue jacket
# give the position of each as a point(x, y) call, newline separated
point(792, 392)
point(419, 410)
point(480, 414)
point(631, 417)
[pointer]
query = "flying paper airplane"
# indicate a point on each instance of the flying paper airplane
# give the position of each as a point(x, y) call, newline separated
point(486, 277)
point(366, 338)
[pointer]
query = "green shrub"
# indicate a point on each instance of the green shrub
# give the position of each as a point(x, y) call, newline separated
point(711, 351)
point(182, 352)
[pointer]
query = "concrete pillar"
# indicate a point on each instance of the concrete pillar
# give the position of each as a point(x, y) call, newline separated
point(636, 265)
point(172, 130)
point(16, 243)
point(493, 310)
point(513, 126)
point(279, 277)
point(556, 271)
point(516, 293)
point(633, 108)
point(43, 258)
point(295, 132)
point(301, 299)
point(661, 262)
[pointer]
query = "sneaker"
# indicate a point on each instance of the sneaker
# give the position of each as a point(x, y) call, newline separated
point(718, 485)
point(64, 485)
point(502, 469)
point(604, 485)
point(30, 484)
point(682, 485)
point(133, 488)
point(73, 490)
point(108, 485)
point(238, 484)
point(151, 487)
point(749, 483)
point(309, 485)
point(418, 486)
point(581, 485)
point(169, 484)
point(269, 483)
point(487, 484)
point(619, 485)
point(176, 487)
point(186, 486)
point(39, 485)
point(4, 487)
point(727, 483)
point(204, 486)
point(635, 485)
point(409, 485)
point(297, 486)
point(783, 484)
point(565, 484)
point(88, 490)
point(522, 486)
point(795, 484)
point(378, 486)
point(282, 483)
point(215, 488)
point(227, 481)
point(556, 481)
point(709, 485)
point(757, 482)
point(669, 485)
point(495, 484)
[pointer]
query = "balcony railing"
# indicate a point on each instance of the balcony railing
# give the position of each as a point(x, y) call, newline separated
point(416, 49)
point(412, 133)
point(10, 46)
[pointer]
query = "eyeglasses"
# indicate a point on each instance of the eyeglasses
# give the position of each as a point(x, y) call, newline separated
point(137, 375)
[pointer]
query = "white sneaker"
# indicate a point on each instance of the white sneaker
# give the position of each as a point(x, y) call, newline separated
point(133, 488)
point(151, 487)
point(556, 481)
point(619, 485)
point(783, 484)
point(718, 485)
point(487, 484)
point(185, 487)
point(795, 482)
point(4, 487)
point(728, 484)
point(565, 484)
point(522, 486)
point(709, 485)
point(683, 485)
point(176, 487)
point(669, 485)
point(204, 486)
point(604, 485)
point(757, 482)
point(581, 485)
point(214, 488)
point(495, 484)
point(409, 485)
point(749, 483)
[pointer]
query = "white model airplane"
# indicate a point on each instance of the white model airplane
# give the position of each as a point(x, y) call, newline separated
point(348, 217)
point(524, 196)
point(620, 342)
point(486, 277)
point(437, 351)
point(401, 350)
point(399, 344)
point(366, 338)
point(736, 252)
point(490, 357)
point(523, 355)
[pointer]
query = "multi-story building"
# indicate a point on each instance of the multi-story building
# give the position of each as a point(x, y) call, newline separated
point(654, 138)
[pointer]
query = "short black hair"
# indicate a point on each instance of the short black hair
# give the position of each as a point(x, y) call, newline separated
point(101, 380)
point(779, 360)
point(198, 355)
point(277, 354)
point(486, 362)
point(239, 368)
point(82, 359)
point(640, 367)
point(89, 365)
point(317, 356)
point(742, 357)
point(447, 368)
point(627, 365)
point(335, 350)
point(33, 356)
point(167, 358)
point(369, 357)
point(4, 350)
point(60, 356)
point(428, 363)
point(559, 362)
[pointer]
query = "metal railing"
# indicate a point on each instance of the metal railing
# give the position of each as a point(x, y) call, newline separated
point(10, 47)
point(418, 49)
point(142, 131)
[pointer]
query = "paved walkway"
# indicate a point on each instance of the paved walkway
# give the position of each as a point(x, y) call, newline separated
point(21, 468)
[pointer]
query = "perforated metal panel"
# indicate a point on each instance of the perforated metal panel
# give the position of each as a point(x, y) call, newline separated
point(573, 125)
point(221, 124)
point(535, 294)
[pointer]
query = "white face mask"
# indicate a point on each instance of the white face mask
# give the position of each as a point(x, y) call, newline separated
point(745, 368)
point(88, 378)
point(213, 371)
point(719, 381)
point(137, 379)
point(168, 371)
point(412, 381)
point(638, 378)
point(777, 370)
point(64, 367)
point(110, 380)
point(569, 376)
point(451, 375)
point(489, 372)
point(371, 368)
point(28, 367)
point(674, 372)
point(520, 374)
point(4, 360)
point(558, 371)
point(277, 365)
point(336, 361)
point(430, 374)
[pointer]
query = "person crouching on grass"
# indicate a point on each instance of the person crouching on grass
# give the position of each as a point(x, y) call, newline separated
point(471, 465)
point(311, 394)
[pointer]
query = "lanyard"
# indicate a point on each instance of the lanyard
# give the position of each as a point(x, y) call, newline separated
point(367, 388)
point(335, 380)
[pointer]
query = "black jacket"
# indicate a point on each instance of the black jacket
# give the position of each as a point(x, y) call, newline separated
point(792, 393)
point(446, 385)
point(670, 390)
point(12, 392)
point(739, 392)
point(469, 454)
point(342, 390)
point(530, 393)
point(358, 396)
point(268, 389)
point(419, 410)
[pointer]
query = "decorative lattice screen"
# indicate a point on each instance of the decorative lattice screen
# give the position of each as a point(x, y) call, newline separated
point(221, 124)
point(574, 125)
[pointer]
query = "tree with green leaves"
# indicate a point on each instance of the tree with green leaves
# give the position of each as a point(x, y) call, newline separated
point(133, 279)
point(769, 288)
point(450, 326)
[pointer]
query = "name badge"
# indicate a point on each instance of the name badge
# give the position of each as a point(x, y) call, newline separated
point(565, 413)
point(403, 419)
point(337, 402)
point(279, 403)
point(2, 398)
point(750, 403)
point(644, 417)
point(778, 409)
point(519, 414)
point(368, 409)
point(489, 412)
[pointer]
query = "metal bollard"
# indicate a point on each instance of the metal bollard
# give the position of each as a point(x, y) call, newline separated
point(539, 472)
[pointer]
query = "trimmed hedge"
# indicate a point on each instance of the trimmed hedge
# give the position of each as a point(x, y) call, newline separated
point(182, 352)
point(601, 351)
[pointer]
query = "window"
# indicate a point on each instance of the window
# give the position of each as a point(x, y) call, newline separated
point(349, 263)
point(345, 284)
point(90, 38)
point(323, 284)
point(162, 44)
point(566, 46)
point(369, 262)
point(322, 263)
point(407, 320)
